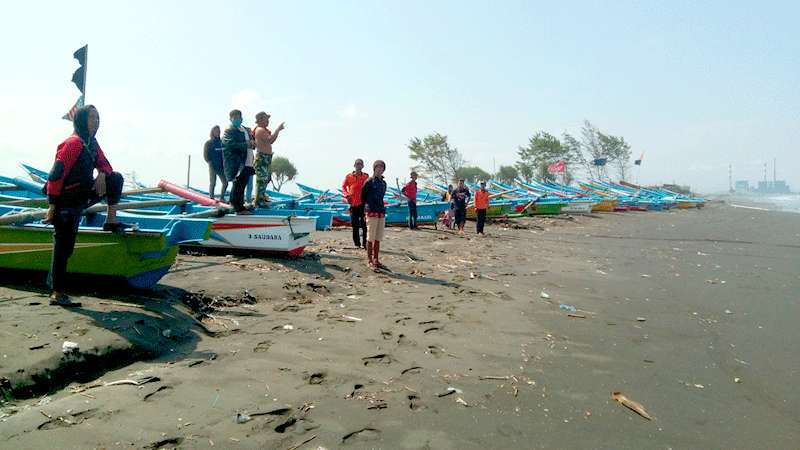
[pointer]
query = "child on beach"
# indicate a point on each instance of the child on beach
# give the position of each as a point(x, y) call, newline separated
point(481, 205)
point(461, 197)
point(410, 192)
point(372, 194)
point(351, 188)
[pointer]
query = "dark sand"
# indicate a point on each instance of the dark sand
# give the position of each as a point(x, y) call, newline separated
point(717, 291)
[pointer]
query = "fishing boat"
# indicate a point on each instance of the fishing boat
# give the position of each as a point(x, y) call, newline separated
point(281, 234)
point(287, 235)
point(428, 212)
point(141, 257)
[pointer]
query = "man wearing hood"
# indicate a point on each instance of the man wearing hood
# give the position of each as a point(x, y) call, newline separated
point(71, 187)
point(238, 159)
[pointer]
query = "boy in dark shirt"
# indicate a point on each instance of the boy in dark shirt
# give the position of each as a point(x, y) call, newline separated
point(372, 194)
point(461, 196)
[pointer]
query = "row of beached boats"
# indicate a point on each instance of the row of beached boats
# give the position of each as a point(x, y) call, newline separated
point(171, 217)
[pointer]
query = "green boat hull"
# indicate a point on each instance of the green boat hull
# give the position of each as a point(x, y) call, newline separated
point(538, 209)
point(141, 258)
point(493, 212)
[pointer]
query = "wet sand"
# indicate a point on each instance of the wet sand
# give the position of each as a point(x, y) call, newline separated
point(690, 313)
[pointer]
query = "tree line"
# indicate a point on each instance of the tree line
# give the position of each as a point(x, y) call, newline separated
point(437, 160)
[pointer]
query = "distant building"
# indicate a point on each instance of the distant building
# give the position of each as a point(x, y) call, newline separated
point(742, 186)
point(773, 187)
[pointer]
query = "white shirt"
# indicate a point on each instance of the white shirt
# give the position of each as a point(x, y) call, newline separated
point(250, 160)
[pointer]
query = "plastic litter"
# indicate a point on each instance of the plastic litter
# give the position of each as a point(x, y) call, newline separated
point(69, 347)
point(544, 295)
point(566, 307)
point(242, 418)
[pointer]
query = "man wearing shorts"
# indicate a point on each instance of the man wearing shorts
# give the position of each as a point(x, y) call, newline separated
point(264, 140)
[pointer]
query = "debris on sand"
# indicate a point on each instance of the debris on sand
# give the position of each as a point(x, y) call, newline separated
point(630, 404)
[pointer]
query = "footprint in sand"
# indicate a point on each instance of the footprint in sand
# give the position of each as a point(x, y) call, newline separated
point(381, 358)
point(294, 424)
point(160, 389)
point(402, 339)
point(412, 370)
point(435, 351)
point(165, 444)
point(262, 347)
point(67, 420)
point(364, 434)
point(414, 403)
point(386, 334)
point(431, 330)
point(402, 320)
point(288, 307)
point(352, 394)
point(316, 378)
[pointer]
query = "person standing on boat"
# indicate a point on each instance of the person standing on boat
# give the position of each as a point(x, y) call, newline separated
point(237, 158)
point(461, 196)
point(410, 193)
point(372, 194)
point(212, 153)
point(71, 187)
point(481, 206)
point(264, 140)
point(351, 188)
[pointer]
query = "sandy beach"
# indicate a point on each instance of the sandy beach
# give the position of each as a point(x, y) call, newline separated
point(514, 340)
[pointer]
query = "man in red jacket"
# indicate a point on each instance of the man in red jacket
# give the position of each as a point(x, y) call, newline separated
point(71, 187)
point(351, 189)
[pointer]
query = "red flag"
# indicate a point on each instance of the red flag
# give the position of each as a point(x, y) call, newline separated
point(556, 167)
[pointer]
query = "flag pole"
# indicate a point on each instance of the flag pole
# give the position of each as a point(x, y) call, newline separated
point(85, 73)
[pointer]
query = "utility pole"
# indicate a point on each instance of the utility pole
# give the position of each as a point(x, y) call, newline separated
point(188, 171)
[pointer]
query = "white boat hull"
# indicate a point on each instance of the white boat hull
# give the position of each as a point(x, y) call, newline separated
point(273, 234)
point(577, 208)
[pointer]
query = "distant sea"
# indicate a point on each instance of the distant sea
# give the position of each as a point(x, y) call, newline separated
point(787, 203)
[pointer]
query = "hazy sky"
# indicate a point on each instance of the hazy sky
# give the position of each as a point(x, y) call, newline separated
point(694, 85)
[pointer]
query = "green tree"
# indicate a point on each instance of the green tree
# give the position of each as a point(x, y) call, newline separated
point(594, 144)
point(282, 171)
point(619, 153)
point(472, 174)
point(542, 150)
point(435, 158)
point(507, 174)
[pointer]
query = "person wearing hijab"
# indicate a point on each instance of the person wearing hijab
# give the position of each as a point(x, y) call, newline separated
point(212, 153)
point(71, 187)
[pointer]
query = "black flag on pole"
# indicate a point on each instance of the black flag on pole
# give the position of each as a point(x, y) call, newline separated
point(600, 161)
point(79, 77)
point(80, 54)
